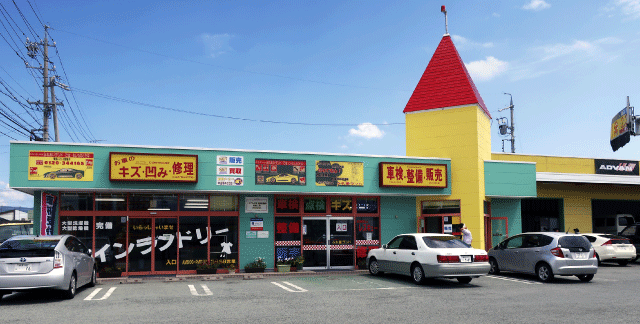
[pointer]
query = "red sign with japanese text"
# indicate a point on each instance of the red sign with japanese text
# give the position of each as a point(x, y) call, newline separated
point(153, 167)
point(413, 175)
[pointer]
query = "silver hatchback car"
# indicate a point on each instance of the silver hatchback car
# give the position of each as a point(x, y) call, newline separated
point(545, 254)
point(59, 262)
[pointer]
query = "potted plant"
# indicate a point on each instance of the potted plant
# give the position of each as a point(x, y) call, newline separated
point(110, 272)
point(298, 262)
point(258, 265)
point(207, 267)
point(284, 265)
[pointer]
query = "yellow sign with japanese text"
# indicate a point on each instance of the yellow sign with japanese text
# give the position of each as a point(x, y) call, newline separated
point(153, 167)
point(60, 166)
point(339, 174)
point(413, 175)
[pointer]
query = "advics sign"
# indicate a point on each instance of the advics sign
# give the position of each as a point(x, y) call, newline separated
point(617, 167)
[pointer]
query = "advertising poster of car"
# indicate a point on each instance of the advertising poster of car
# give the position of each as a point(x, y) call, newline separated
point(281, 172)
point(413, 175)
point(153, 167)
point(60, 166)
point(339, 174)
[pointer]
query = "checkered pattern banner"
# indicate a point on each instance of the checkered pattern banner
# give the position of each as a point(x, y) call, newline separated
point(314, 247)
point(287, 243)
point(367, 242)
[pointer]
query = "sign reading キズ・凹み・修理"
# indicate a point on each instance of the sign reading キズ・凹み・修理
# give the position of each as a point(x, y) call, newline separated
point(153, 167)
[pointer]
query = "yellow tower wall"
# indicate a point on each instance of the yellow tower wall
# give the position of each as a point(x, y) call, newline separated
point(463, 135)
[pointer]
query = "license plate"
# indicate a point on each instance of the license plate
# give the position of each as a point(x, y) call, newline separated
point(623, 248)
point(23, 267)
point(581, 256)
point(465, 258)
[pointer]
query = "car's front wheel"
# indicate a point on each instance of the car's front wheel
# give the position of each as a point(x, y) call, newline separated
point(464, 280)
point(585, 278)
point(417, 274)
point(544, 272)
point(73, 285)
point(374, 267)
point(494, 270)
point(78, 175)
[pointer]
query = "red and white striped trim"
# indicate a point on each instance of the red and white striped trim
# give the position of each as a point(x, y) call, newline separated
point(324, 247)
point(367, 242)
point(287, 243)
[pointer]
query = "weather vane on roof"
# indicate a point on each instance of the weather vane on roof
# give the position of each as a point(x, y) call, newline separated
point(446, 25)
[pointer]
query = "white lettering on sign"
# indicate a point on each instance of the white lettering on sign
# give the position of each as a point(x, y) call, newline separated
point(622, 167)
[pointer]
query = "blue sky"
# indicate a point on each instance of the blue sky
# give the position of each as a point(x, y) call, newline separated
point(568, 64)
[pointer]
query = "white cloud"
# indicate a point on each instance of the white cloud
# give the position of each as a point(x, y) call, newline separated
point(629, 8)
point(10, 197)
point(216, 45)
point(485, 70)
point(557, 50)
point(495, 14)
point(463, 43)
point(367, 130)
point(536, 5)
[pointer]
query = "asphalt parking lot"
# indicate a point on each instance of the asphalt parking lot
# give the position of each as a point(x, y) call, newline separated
point(340, 297)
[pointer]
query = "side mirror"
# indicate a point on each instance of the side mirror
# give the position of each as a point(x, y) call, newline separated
point(384, 246)
point(89, 252)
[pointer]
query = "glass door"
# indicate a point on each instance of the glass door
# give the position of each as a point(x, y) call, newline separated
point(153, 245)
point(499, 230)
point(328, 242)
point(140, 233)
point(165, 252)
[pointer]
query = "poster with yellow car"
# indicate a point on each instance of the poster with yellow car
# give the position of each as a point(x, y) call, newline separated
point(60, 166)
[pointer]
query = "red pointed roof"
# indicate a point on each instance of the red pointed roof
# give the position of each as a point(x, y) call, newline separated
point(445, 82)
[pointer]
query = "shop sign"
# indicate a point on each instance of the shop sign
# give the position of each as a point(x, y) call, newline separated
point(47, 209)
point(263, 234)
point(412, 175)
point(256, 205)
point(339, 174)
point(618, 167)
point(251, 234)
point(281, 172)
point(341, 227)
point(230, 160)
point(153, 167)
point(620, 130)
point(230, 170)
point(229, 181)
point(257, 224)
point(60, 166)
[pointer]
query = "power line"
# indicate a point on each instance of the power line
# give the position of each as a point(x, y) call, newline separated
point(100, 95)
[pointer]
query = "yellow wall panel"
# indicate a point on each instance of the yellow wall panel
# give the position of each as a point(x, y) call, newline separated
point(551, 163)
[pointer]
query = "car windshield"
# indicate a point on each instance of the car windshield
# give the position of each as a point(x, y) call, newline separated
point(574, 243)
point(439, 242)
point(27, 248)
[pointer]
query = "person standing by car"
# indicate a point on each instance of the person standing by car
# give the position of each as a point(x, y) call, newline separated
point(466, 234)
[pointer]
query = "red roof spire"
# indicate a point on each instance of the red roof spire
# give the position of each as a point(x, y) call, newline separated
point(445, 82)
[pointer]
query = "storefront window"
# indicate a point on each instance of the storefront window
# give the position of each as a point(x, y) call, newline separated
point(441, 207)
point(114, 202)
point(193, 241)
point(224, 240)
point(78, 226)
point(194, 202)
point(76, 201)
point(224, 203)
point(367, 238)
point(139, 202)
point(111, 243)
point(315, 205)
point(287, 205)
point(341, 205)
point(367, 206)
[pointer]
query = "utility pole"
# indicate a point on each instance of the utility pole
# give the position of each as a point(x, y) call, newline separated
point(47, 106)
point(506, 129)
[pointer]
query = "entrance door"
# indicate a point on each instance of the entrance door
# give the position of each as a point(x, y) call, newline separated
point(328, 242)
point(157, 255)
point(498, 230)
point(433, 224)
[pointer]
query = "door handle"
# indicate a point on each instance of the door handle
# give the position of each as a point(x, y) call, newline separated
point(413, 253)
point(394, 252)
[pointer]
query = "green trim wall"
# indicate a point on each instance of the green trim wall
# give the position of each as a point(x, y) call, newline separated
point(510, 179)
point(397, 216)
point(510, 208)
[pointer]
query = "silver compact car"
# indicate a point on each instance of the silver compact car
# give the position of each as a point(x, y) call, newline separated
point(545, 254)
point(427, 255)
point(59, 262)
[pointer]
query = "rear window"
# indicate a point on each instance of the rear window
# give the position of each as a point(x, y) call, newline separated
point(438, 242)
point(27, 248)
point(574, 243)
point(624, 221)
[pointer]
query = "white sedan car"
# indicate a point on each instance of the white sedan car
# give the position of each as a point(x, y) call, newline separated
point(612, 248)
point(429, 255)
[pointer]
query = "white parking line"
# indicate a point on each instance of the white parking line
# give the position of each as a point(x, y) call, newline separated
point(194, 292)
point(516, 280)
point(299, 289)
point(97, 290)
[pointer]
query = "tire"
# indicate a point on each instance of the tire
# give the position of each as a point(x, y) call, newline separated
point(52, 176)
point(464, 280)
point(78, 175)
point(73, 285)
point(93, 281)
point(374, 267)
point(544, 272)
point(585, 278)
point(494, 270)
point(623, 263)
point(293, 181)
point(272, 181)
point(417, 274)
point(598, 257)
